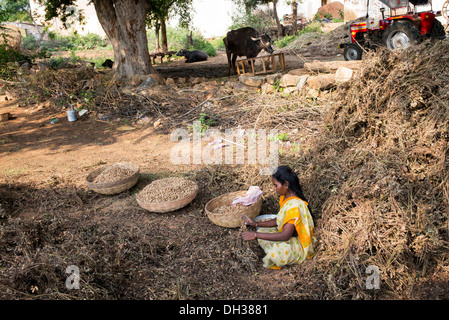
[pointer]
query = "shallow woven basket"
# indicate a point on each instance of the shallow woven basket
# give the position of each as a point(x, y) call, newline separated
point(231, 220)
point(168, 205)
point(114, 187)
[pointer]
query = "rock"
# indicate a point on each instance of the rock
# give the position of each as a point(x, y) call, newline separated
point(272, 78)
point(136, 80)
point(26, 66)
point(343, 74)
point(196, 80)
point(321, 81)
point(267, 88)
point(157, 123)
point(149, 82)
point(252, 81)
point(293, 81)
point(312, 94)
point(169, 81)
point(288, 80)
point(144, 121)
point(243, 87)
point(158, 78)
point(290, 90)
point(331, 66)
point(298, 72)
point(301, 82)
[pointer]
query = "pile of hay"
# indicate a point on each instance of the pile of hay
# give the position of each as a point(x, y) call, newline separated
point(335, 9)
point(311, 44)
point(380, 173)
point(11, 36)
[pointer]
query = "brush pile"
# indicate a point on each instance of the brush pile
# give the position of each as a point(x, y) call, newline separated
point(311, 44)
point(380, 173)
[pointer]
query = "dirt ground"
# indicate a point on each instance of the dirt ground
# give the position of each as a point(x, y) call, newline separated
point(177, 255)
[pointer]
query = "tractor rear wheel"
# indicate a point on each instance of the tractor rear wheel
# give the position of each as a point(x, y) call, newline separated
point(400, 35)
point(352, 52)
point(437, 30)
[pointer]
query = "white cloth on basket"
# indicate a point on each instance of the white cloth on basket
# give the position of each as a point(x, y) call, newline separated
point(252, 195)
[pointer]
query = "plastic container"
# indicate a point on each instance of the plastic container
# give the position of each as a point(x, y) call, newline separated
point(71, 114)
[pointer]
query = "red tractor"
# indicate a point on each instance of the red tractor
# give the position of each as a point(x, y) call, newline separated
point(394, 31)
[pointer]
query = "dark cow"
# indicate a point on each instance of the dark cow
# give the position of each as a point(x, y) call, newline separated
point(193, 56)
point(245, 42)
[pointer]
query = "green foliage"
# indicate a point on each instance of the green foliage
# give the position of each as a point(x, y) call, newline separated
point(70, 42)
point(204, 45)
point(312, 27)
point(13, 10)
point(202, 124)
point(218, 44)
point(177, 39)
point(285, 41)
point(259, 22)
point(58, 62)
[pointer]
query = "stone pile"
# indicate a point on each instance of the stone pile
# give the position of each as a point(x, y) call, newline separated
point(315, 77)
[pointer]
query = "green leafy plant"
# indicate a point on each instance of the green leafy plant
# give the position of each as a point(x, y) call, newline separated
point(281, 43)
point(203, 123)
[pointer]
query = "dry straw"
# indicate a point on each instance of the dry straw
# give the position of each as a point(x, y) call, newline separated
point(380, 174)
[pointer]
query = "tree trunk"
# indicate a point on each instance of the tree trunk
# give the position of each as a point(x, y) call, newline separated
point(295, 17)
point(156, 33)
point(124, 23)
point(164, 41)
point(278, 23)
point(190, 40)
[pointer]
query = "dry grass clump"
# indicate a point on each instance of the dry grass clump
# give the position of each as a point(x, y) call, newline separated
point(380, 172)
point(113, 173)
point(166, 189)
point(318, 43)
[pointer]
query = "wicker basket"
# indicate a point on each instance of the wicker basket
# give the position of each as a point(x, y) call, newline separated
point(114, 187)
point(168, 206)
point(231, 220)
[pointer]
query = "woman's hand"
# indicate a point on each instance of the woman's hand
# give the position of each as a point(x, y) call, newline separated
point(248, 221)
point(249, 235)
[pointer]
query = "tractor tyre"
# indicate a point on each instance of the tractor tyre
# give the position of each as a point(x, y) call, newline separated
point(437, 31)
point(400, 35)
point(352, 52)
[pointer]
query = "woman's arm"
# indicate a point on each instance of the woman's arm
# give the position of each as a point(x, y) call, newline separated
point(249, 222)
point(287, 233)
point(268, 223)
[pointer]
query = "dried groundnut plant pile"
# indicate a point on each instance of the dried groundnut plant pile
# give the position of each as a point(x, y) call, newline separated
point(230, 209)
point(166, 189)
point(113, 173)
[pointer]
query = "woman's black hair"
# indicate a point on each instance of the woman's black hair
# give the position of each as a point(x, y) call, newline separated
point(285, 173)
